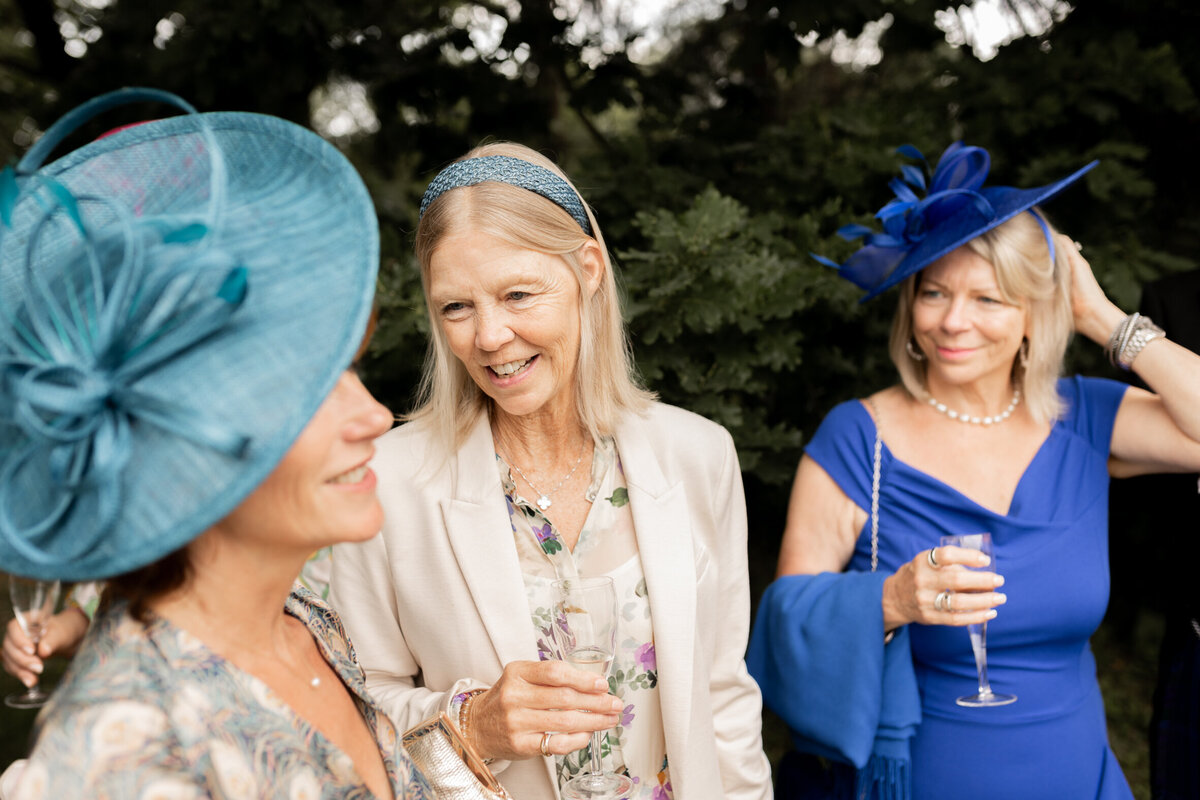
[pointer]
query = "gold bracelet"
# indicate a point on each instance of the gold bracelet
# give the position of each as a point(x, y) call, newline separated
point(464, 716)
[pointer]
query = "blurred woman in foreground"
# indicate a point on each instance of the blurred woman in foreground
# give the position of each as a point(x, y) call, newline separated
point(182, 302)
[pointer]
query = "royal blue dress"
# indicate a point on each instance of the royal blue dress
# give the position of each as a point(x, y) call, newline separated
point(1052, 548)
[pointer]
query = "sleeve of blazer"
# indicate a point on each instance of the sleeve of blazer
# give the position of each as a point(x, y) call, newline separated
point(737, 702)
point(361, 591)
point(364, 589)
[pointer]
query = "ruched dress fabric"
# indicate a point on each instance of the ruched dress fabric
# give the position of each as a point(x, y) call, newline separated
point(1052, 549)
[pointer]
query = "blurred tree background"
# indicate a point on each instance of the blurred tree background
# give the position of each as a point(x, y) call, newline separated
point(720, 143)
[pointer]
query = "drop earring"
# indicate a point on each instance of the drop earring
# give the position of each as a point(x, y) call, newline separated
point(913, 352)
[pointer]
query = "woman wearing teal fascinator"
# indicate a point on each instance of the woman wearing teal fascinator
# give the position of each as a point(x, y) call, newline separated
point(180, 303)
point(859, 643)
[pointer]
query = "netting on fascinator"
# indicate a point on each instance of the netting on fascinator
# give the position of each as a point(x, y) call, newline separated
point(147, 289)
point(926, 219)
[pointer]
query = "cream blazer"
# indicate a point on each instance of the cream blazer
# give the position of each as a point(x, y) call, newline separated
point(435, 604)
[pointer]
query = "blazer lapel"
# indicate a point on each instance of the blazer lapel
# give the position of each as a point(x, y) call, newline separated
point(480, 533)
point(661, 519)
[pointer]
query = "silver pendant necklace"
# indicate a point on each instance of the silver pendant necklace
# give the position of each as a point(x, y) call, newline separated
point(544, 500)
point(992, 420)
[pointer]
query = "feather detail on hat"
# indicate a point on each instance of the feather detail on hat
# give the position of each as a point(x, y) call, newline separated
point(927, 219)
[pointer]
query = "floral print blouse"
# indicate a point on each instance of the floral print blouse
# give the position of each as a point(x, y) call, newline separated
point(606, 546)
point(149, 711)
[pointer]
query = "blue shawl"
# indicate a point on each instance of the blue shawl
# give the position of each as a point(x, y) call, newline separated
point(817, 652)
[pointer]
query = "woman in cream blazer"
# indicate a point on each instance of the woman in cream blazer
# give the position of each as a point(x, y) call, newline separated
point(435, 604)
point(528, 380)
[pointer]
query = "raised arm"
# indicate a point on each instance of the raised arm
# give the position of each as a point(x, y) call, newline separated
point(1157, 431)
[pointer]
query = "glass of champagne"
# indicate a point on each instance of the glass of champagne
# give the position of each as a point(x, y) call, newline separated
point(985, 696)
point(585, 624)
point(33, 603)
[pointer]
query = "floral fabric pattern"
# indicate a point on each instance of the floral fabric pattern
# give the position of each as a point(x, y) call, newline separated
point(607, 546)
point(149, 711)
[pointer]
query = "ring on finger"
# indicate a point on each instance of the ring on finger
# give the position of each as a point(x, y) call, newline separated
point(1078, 246)
point(932, 559)
point(546, 744)
point(943, 601)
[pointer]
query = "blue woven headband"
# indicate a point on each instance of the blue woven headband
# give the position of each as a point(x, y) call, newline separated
point(514, 172)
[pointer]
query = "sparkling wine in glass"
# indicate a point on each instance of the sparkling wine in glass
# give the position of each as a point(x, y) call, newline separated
point(978, 633)
point(33, 603)
point(585, 614)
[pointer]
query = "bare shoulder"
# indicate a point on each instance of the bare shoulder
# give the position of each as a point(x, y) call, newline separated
point(892, 403)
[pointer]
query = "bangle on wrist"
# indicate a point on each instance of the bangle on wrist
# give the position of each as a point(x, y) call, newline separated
point(465, 701)
point(1130, 337)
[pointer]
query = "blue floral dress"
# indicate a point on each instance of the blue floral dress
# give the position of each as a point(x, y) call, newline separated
point(149, 711)
point(607, 546)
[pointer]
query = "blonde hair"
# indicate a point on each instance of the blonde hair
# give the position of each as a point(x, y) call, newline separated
point(606, 382)
point(1025, 276)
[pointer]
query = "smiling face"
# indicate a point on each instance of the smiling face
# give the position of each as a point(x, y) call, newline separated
point(511, 316)
point(962, 323)
point(322, 491)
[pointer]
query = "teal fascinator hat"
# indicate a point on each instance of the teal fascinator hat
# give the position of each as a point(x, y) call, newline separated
point(176, 301)
point(929, 218)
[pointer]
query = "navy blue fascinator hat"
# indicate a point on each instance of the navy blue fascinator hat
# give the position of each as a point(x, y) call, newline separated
point(928, 219)
point(176, 301)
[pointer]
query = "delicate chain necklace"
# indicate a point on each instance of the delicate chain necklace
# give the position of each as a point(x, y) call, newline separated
point(315, 682)
point(994, 420)
point(544, 500)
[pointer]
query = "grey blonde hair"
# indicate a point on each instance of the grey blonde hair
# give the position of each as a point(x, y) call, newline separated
point(1018, 251)
point(606, 383)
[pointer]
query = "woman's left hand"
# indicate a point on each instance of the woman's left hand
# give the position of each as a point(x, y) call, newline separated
point(1095, 316)
point(532, 698)
point(940, 590)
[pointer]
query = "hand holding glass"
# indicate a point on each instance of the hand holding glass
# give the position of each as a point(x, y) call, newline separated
point(985, 696)
point(33, 604)
point(585, 624)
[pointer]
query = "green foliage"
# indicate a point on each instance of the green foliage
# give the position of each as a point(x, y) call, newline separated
point(716, 299)
point(714, 169)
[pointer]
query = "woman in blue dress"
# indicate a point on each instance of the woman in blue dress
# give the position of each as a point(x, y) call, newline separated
point(859, 644)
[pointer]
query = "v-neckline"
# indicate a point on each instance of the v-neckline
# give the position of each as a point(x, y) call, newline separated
point(1016, 489)
point(258, 688)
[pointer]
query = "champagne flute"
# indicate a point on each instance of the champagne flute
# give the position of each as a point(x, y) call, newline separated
point(984, 696)
point(585, 616)
point(33, 603)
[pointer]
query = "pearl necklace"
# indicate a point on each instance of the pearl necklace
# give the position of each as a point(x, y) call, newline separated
point(994, 420)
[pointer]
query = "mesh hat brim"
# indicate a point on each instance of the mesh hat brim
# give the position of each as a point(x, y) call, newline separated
point(297, 217)
point(967, 223)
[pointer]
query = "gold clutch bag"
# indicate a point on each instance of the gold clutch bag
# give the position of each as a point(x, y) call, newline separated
point(451, 766)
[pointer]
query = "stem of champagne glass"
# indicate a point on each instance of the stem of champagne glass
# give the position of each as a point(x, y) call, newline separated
point(981, 661)
point(597, 766)
point(37, 679)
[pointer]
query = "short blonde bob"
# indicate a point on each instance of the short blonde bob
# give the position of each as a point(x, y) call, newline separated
point(606, 383)
point(1018, 251)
